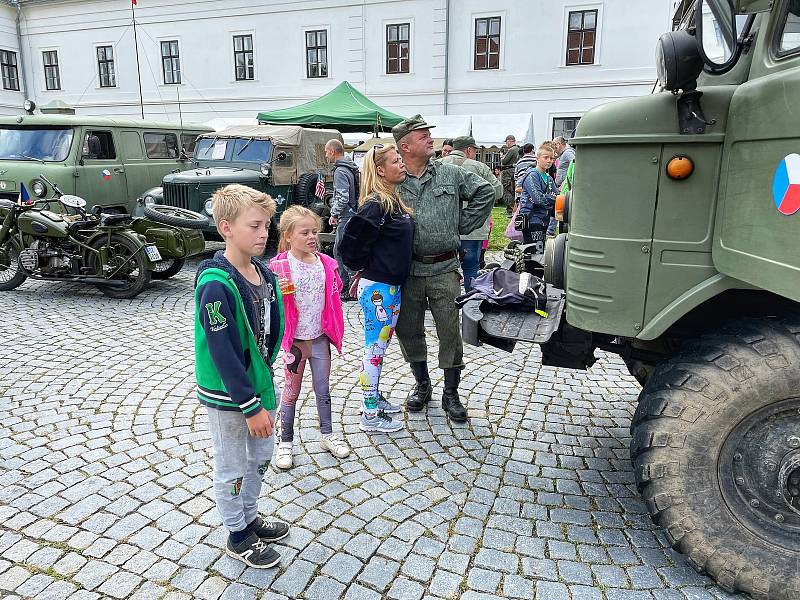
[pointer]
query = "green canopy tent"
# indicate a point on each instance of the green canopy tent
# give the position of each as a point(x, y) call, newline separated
point(343, 108)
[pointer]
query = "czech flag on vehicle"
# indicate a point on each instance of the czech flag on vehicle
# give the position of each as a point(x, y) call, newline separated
point(24, 196)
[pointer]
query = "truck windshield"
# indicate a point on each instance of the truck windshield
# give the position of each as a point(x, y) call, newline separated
point(233, 150)
point(24, 143)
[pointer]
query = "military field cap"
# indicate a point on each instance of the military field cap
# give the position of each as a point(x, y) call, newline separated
point(511, 137)
point(464, 141)
point(406, 126)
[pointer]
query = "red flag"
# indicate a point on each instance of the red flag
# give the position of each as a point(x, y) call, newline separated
point(319, 191)
point(133, 2)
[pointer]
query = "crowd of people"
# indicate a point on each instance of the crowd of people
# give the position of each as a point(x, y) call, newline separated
point(407, 224)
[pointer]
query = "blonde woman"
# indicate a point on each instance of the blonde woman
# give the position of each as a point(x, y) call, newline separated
point(377, 244)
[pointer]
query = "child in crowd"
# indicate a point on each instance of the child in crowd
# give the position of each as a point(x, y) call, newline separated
point(538, 198)
point(314, 320)
point(378, 245)
point(238, 327)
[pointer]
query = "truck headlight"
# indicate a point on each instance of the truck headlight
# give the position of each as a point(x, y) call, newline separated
point(149, 200)
point(209, 207)
point(39, 188)
point(265, 169)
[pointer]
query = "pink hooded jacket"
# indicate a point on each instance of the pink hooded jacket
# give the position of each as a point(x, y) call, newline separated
point(332, 316)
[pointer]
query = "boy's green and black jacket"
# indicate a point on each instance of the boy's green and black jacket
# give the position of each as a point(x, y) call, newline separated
point(231, 373)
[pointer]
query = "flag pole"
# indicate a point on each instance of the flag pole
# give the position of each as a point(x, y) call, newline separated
point(136, 46)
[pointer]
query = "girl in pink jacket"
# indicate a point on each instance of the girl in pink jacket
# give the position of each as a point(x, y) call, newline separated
point(312, 305)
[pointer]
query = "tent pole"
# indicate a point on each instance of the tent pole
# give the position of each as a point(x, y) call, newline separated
point(446, 53)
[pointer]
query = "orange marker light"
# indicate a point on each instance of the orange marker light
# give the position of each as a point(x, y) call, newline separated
point(680, 167)
point(559, 207)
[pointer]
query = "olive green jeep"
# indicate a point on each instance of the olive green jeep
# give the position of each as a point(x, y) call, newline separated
point(284, 161)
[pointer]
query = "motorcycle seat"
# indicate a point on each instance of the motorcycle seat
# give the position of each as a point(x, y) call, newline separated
point(114, 219)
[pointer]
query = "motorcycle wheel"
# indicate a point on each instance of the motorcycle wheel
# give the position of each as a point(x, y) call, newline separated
point(136, 272)
point(11, 275)
point(177, 217)
point(164, 269)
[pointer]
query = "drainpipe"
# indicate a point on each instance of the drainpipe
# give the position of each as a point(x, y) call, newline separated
point(446, 52)
point(21, 53)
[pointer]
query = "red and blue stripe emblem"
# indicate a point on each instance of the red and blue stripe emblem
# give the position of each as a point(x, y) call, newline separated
point(786, 185)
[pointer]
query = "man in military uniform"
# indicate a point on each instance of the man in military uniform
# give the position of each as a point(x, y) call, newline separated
point(507, 164)
point(463, 155)
point(447, 201)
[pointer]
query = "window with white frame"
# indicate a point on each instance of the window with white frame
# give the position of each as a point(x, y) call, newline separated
point(581, 37)
point(316, 53)
point(564, 126)
point(52, 77)
point(105, 66)
point(243, 57)
point(398, 47)
point(487, 43)
point(171, 62)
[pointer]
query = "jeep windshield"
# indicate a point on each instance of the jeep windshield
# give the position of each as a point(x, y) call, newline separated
point(49, 144)
point(233, 150)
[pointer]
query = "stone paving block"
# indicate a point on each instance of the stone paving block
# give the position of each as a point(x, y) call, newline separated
point(547, 590)
point(93, 573)
point(405, 589)
point(324, 588)
point(342, 567)
point(357, 592)
point(483, 580)
point(34, 585)
point(120, 584)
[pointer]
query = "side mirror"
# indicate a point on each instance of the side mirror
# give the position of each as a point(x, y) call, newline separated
point(717, 32)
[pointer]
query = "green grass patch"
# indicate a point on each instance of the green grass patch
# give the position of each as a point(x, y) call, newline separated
point(497, 238)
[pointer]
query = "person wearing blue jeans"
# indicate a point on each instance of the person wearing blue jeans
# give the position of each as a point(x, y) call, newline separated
point(470, 261)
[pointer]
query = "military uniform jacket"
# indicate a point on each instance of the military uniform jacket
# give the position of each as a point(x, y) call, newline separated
point(458, 158)
point(436, 200)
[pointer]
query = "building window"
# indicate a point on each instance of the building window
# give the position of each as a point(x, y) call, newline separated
point(171, 62)
point(581, 37)
point(8, 64)
point(564, 126)
point(317, 53)
point(397, 48)
point(487, 43)
point(243, 57)
point(105, 66)
point(52, 79)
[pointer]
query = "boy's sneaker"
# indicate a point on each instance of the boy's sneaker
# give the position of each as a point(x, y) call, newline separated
point(335, 445)
point(380, 423)
point(270, 531)
point(253, 551)
point(385, 406)
point(283, 456)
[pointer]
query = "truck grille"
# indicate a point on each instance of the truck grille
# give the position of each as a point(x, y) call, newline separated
point(176, 194)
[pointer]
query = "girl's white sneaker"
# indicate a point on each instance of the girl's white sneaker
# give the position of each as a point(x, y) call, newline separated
point(335, 445)
point(283, 457)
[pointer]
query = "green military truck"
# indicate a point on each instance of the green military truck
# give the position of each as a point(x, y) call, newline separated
point(683, 257)
point(109, 162)
point(285, 161)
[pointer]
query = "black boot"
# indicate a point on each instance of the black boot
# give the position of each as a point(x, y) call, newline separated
point(450, 401)
point(423, 391)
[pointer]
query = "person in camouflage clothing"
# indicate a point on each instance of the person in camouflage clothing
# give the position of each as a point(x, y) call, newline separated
point(447, 201)
point(507, 164)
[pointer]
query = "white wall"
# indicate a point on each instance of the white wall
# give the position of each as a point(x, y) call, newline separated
point(10, 101)
point(532, 77)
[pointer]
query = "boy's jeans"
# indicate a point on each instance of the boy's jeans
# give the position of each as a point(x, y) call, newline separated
point(240, 461)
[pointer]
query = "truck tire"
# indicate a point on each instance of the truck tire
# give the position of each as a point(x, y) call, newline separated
point(304, 190)
point(177, 217)
point(716, 452)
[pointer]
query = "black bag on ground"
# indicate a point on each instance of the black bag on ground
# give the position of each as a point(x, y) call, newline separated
point(506, 288)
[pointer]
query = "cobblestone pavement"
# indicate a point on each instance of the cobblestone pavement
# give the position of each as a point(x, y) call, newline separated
point(105, 476)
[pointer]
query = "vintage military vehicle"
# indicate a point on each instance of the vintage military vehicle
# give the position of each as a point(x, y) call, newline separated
point(108, 162)
point(284, 161)
point(682, 257)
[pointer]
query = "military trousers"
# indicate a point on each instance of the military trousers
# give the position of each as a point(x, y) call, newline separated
point(438, 292)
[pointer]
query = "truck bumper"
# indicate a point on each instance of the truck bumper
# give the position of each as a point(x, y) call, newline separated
point(502, 327)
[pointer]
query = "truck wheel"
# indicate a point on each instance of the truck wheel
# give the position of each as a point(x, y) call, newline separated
point(11, 275)
point(304, 190)
point(177, 217)
point(716, 451)
point(164, 269)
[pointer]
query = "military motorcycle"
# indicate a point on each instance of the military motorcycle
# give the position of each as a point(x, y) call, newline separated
point(116, 252)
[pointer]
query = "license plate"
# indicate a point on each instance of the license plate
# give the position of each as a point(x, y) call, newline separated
point(152, 253)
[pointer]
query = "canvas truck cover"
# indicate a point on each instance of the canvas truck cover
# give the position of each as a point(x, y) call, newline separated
point(305, 147)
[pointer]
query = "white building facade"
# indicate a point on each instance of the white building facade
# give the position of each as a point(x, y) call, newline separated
point(205, 59)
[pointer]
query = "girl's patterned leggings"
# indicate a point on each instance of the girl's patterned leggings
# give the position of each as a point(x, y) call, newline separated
point(318, 353)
